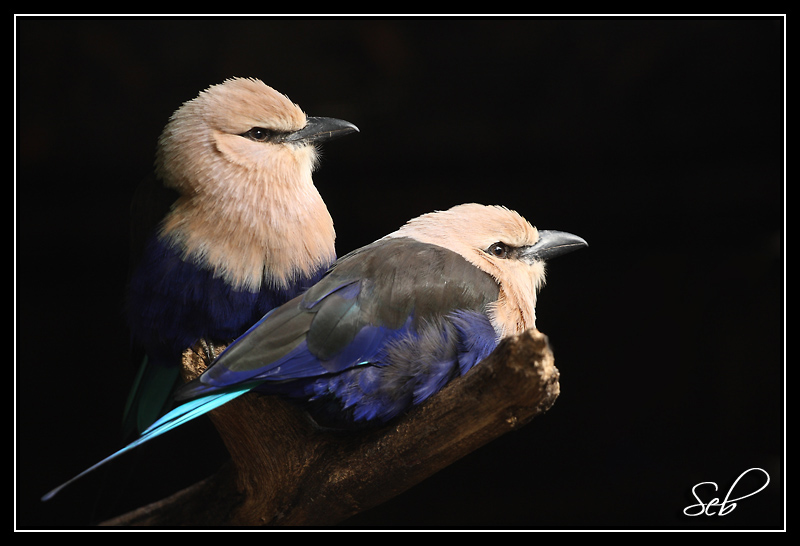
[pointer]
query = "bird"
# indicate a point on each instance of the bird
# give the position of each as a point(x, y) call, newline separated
point(231, 227)
point(389, 325)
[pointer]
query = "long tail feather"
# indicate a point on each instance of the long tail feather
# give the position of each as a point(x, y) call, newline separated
point(178, 416)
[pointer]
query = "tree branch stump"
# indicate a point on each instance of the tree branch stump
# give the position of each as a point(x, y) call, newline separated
point(286, 470)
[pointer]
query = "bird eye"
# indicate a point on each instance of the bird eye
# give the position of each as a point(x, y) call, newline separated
point(259, 134)
point(498, 250)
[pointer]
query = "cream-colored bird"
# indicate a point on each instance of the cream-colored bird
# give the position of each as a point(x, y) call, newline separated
point(244, 230)
point(390, 324)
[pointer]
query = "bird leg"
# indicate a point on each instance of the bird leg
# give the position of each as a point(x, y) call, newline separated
point(209, 349)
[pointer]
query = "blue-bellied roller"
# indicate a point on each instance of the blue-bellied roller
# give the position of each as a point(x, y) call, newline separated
point(389, 324)
point(229, 227)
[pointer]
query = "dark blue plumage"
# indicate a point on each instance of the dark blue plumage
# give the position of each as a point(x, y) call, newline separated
point(405, 372)
point(172, 303)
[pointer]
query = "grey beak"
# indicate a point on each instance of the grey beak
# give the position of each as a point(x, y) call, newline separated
point(552, 244)
point(322, 129)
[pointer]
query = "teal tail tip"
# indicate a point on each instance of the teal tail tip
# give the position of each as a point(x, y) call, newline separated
point(53, 492)
point(178, 416)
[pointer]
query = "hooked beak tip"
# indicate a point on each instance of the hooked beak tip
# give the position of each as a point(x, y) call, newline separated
point(552, 244)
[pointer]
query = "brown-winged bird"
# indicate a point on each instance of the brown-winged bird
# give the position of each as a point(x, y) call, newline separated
point(390, 324)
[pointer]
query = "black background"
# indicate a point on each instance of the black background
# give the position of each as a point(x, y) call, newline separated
point(660, 141)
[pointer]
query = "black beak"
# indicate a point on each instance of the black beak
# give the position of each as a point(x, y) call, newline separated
point(552, 244)
point(321, 129)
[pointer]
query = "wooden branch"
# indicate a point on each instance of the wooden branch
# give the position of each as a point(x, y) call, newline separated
point(285, 470)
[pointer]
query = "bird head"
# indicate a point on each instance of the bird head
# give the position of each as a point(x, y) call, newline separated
point(241, 155)
point(505, 245)
point(236, 128)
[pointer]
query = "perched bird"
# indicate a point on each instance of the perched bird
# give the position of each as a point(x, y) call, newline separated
point(244, 229)
point(390, 324)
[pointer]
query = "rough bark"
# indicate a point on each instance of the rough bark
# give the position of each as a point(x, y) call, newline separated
point(286, 470)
